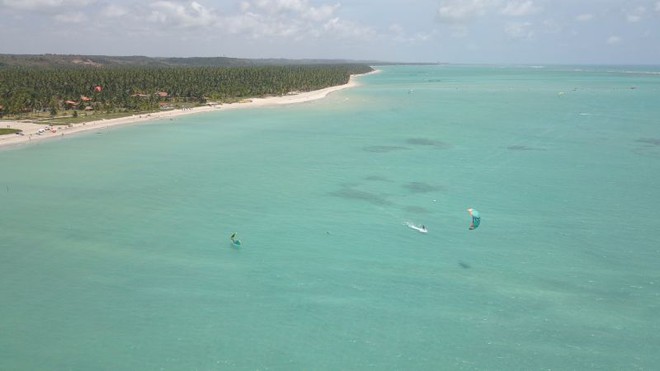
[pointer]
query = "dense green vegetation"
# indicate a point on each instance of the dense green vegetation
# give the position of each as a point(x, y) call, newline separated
point(31, 90)
point(61, 60)
point(4, 131)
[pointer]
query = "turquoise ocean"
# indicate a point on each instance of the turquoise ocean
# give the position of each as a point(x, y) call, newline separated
point(115, 253)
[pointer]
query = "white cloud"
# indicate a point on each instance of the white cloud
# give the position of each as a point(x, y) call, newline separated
point(73, 17)
point(397, 29)
point(318, 14)
point(44, 6)
point(345, 29)
point(519, 30)
point(613, 40)
point(297, 19)
point(520, 8)
point(459, 11)
point(114, 11)
point(247, 23)
point(584, 17)
point(174, 14)
point(636, 15)
point(301, 8)
point(60, 11)
point(258, 26)
point(459, 32)
point(552, 27)
point(399, 34)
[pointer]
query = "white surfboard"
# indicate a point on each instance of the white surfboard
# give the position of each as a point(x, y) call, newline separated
point(421, 229)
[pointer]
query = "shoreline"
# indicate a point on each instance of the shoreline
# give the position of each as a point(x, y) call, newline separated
point(31, 135)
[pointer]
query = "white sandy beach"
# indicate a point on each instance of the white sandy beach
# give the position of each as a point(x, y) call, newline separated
point(31, 130)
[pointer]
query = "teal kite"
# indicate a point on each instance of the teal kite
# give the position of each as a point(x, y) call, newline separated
point(234, 240)
point(476, 219)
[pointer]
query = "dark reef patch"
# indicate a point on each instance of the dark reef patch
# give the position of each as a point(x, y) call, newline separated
point(648, 147)
point(384, 149)
point(427, 142)
point(651, 141)
point(419, 187)
point(417, 210)
point(519, 147)
point(377, 178)
point(354, 194)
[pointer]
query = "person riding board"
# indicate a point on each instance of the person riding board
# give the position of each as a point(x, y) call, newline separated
point(476, 219)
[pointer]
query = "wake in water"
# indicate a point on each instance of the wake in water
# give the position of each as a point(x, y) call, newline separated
point(421, 229)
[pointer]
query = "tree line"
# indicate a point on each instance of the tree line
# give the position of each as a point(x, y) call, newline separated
point(134, 88)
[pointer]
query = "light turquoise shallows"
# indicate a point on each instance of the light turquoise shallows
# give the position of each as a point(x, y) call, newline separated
point(115, 253)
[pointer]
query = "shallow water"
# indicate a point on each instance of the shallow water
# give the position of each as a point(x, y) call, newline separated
point(115, 246)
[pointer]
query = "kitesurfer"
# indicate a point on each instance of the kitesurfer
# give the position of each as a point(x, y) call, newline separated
point(476, 219)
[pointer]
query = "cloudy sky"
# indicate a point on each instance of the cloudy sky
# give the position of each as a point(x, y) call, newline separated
point(455, 31)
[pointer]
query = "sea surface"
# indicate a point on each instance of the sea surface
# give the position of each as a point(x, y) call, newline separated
point(115, 251)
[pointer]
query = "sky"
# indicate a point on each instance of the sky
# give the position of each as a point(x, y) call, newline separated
point(445, 31)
